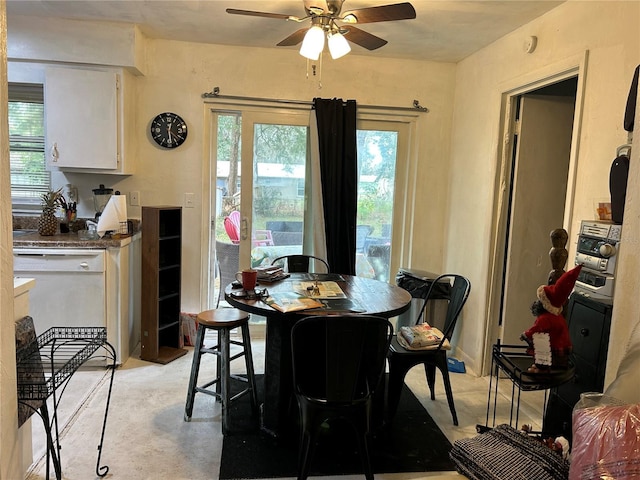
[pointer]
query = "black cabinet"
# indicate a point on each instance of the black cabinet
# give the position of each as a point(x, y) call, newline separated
point(161, 270)
point(589, 322)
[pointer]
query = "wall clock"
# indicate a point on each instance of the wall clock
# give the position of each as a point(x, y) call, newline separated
point(168, 130)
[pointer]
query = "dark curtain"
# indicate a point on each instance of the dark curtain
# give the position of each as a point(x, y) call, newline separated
point(338, 171)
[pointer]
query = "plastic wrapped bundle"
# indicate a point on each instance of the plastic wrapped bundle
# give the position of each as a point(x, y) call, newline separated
point(606, 439)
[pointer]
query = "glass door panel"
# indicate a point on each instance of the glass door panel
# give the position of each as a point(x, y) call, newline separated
point(226, 203)
point(258, 171)
point(377, 154)
point(279, 161)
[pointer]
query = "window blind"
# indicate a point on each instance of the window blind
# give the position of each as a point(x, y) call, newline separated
point(29, 177)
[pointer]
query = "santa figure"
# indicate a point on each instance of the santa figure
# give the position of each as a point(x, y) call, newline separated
point(548, 338)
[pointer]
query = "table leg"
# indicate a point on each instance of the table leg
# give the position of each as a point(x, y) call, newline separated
point(278, 376)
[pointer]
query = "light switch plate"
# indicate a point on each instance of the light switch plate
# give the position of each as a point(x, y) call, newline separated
point(134, 199)
point(189, 200)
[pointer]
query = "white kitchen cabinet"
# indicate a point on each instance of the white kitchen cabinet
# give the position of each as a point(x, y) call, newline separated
point(86, 287)
point(86, 117)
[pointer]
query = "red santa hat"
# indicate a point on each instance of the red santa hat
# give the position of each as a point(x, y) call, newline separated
point(553, 297)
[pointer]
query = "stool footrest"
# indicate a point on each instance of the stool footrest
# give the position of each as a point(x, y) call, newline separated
point(213, 393)
point(215, 351)
point(218, 396)
point(239, 394)
point(239, 378)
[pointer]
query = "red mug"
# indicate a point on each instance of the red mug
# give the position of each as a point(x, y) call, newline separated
point(248, 278)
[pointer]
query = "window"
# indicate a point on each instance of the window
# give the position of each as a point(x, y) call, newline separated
point(29, 177)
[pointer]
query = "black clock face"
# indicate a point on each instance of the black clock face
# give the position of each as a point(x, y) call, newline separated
point(168, 130)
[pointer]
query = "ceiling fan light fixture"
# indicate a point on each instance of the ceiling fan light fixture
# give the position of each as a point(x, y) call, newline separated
point(338, 45)
point(350, 18)
point(313, 43)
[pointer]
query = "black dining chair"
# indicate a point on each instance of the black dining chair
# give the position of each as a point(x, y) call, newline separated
point(338, 366)
point(301, 263)
point(455, 290)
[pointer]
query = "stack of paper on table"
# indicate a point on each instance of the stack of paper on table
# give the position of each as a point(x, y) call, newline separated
point(319, 289)
point(271, 273)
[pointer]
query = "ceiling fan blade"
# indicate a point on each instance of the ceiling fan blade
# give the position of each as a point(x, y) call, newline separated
point(362, 38)
point(293, 39)
point(383, 13)
point(251, 13)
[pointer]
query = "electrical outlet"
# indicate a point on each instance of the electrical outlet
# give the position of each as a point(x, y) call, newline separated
point(134, 198)
point(72, 193)
point(189, 200)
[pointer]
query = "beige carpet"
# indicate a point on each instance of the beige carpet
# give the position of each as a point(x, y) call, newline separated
point(147, 438)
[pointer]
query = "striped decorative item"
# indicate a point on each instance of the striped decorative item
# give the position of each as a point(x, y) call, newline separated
point(504, 453)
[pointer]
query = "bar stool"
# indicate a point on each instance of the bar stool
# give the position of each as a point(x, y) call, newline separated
point(222, 320)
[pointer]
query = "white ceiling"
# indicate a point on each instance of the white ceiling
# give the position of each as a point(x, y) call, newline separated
point(443, 31)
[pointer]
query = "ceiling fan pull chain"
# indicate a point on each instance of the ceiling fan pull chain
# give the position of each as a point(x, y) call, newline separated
point(320, 73)
point(316, 70)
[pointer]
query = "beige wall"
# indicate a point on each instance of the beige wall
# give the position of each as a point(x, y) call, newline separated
point(609, 32)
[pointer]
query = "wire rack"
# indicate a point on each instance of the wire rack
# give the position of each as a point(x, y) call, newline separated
point(514, 362)
point(44, 368)
point(54, 357)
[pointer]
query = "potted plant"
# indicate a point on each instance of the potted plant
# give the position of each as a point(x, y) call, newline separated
point(48, 223)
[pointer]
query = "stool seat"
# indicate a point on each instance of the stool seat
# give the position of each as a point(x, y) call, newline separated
point(222, 320)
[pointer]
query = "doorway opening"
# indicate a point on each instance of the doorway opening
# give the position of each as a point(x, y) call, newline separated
point(535, 179)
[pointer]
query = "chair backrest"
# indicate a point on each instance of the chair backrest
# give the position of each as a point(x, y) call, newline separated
point(362, 232)
point(228, 258)
point(339, 358)
point(262, 238)
point(450, 287)
point(301, 263)
point(232, 226)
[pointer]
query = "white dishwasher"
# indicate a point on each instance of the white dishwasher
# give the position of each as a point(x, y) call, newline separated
point(70, 288)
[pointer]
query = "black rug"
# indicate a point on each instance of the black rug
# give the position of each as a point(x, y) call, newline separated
point(413, 443)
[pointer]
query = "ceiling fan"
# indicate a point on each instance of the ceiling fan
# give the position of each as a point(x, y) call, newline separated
point(327, 19)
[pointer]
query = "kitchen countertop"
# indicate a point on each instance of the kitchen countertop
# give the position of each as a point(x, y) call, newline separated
point(22, 285)
point(68, 240)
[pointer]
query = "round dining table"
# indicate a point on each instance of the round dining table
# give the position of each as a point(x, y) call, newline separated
point(368, 296)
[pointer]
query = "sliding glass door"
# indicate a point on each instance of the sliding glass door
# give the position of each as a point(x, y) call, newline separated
point(258, 169)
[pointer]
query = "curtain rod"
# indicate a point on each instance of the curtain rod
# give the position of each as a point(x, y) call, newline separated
point(215, 93)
